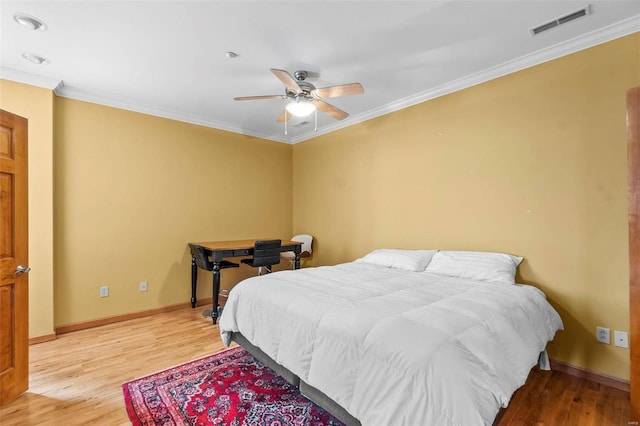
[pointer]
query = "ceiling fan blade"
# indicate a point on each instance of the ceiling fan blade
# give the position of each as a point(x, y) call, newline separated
point(251, 98)
point(329, 109)
point(341, 90)
point(285, 116)
point(286, 78)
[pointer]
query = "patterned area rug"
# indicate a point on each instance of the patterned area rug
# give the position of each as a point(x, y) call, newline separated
point(227, 388)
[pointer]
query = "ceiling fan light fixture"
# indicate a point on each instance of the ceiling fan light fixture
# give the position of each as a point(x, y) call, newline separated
point(300, 108)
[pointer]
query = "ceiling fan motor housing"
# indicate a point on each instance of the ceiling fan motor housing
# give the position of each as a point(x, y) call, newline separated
point(306, 88)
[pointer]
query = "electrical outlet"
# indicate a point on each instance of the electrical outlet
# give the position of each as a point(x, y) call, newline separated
point(104, 291)
point(603, 335)
point(143, 286)
point(621, 339)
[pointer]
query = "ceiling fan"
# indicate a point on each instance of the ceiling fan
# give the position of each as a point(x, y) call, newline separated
point(305, 98)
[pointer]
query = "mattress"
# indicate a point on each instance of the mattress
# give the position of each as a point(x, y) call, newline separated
point(396, 347)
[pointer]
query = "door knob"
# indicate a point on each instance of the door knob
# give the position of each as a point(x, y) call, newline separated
point(22, 269)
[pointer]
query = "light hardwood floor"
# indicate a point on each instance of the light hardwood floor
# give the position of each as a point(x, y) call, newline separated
point(76, 379)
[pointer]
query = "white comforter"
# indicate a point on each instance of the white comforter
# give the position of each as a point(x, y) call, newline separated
point(395, 347)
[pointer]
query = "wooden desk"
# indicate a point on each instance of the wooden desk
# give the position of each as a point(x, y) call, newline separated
point(219, 250)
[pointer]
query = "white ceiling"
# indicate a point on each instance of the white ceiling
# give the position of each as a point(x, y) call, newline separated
point(167, 58)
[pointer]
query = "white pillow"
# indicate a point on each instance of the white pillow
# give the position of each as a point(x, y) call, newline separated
point(411, 260)
point(475, 265)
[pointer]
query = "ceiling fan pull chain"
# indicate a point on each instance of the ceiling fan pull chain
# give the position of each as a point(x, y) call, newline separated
point(285, 122)
point(316, 112)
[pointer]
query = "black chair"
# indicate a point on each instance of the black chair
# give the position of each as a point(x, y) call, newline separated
point(266, 253)
point(201, 258)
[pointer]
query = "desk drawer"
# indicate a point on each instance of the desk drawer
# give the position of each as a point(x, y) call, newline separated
point(242, 252)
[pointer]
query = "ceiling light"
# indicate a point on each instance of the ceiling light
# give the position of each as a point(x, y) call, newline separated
point(29, 22)
point(39, 60)
point(300, 108)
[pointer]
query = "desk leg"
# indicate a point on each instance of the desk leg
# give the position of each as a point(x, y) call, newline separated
point(194, 281)
point(296, 261)
point(216, 291)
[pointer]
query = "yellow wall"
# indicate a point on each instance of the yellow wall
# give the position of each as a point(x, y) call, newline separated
point(36, 105)
point(132, 190)
point(533, 164)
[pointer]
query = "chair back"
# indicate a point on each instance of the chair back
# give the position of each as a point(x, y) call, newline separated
point(266, 252)
point(200, 255)
point(307, 243)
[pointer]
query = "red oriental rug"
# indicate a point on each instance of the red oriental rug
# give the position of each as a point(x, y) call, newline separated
point(227, 388)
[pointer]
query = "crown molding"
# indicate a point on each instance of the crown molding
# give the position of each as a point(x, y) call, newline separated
point(31, 79)
point(603, 35)
point(58, 87)
point(66, 92)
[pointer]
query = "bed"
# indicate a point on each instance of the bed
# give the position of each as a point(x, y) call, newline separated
point(398, 337)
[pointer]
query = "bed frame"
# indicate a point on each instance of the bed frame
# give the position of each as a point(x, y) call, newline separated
point(308, 391)
point(320, 398)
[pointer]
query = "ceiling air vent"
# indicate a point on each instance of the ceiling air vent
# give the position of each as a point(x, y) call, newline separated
point(562, 20)
point(300, 124)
